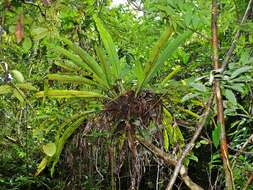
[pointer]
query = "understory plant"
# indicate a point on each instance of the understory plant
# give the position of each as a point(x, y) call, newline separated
point(130, 103)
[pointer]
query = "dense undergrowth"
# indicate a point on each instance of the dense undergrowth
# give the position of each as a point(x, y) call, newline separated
point(94, 96)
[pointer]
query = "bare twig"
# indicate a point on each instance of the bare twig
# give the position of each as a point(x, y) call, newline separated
point(35, 5)
point(249, 181)
point(135, 173)
point(249, 140)
point(190, 145)
point(219, 101)
point(241, 150)
point(237, 36)
point(112, 162)
point(169, 160)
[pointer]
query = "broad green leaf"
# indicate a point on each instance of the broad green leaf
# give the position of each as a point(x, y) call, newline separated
point(39, 33)
point(216, 135)
point(239, 87)
point(230, 96)
point(17, 75)
point(190, 112)
point(246, 27)
point(173, 132)
point(188, 97)
point(68, 65)
point(139, 72)
point(70, 78)
point(176, 69)
point(240, 71)
point(109, 46)
point(26, 86)
point(5, 89)
point(42, 165)
point(49, 149)
point(19, 95)
point(198, 86)
point(27, 44)
point(193, 157)
point(204, 142)
point(69, 94)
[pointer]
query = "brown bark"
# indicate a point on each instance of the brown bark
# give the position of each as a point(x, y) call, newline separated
point(219, 100)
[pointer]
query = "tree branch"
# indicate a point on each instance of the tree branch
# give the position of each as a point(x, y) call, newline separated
point(169, 160)
point(249, 181)
point(236, 37)
point(219, 101)
point(190, 145)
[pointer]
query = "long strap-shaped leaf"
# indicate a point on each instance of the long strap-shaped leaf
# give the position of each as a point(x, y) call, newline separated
point(172, 45)
point(62, 140)
point(89, 60)
point(109, 47)
point(70, 94)
point(71, 78)
point(104, 64)
point(155, 54)
point(97, 75)
point(169, 50)
point(157, 49)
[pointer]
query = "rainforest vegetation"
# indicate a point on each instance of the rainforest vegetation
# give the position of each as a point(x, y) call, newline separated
point(126, 95)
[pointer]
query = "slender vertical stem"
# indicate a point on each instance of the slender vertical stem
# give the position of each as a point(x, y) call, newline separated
point(249, 181)
point(135, 171)
point(237, 36)
point(112, 162)
point(219, 100)
point(179, 165)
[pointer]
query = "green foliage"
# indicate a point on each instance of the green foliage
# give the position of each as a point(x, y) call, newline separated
point(76, 56)
point(216, 135)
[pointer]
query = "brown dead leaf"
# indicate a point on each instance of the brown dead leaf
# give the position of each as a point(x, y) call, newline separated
point(20, 28)
point(46, 2)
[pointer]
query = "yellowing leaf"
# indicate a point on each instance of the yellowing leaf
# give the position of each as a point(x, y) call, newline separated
point(41, 166)
point(166, 140)
point(69, 94)
point(20, 28)
point(18, 76)
point(49, 149)
point(19, 95)
point(26, 86)
point(39, 33)
point(5, 89)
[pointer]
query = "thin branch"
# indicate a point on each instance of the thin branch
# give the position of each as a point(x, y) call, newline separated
point(190, 145)
point(197, 32)
point(35, 5)
point(219, 101)
point(249, 140)
point(241, 150)
point(169, 160)
point(236, 37)
point(249, 181)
